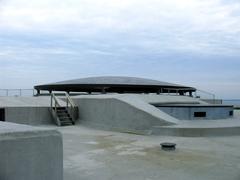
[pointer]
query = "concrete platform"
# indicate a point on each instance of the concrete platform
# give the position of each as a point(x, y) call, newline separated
point(30, 153)
point(91, 154)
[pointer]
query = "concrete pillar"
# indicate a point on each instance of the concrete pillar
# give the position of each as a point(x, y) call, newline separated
point(38, 92)
point(181, 93)
point(103, 91)
point(190, 93)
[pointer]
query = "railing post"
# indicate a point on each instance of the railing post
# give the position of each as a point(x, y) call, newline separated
point(51, 101)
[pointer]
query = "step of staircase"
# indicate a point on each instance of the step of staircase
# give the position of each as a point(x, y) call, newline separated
point(63, 116)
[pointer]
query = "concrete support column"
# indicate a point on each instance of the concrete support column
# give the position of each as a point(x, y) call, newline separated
point(103, 91)
point(190, 93)
point(38, 92)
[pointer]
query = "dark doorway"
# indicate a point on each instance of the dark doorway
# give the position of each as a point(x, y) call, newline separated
point(2, 114)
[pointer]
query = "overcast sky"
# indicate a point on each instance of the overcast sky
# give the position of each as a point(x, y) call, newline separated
point(189, 42)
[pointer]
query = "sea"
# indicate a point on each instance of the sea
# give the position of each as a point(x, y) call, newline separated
point(231, 102)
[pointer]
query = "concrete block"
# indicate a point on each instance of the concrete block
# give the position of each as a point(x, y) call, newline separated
point(30, 153)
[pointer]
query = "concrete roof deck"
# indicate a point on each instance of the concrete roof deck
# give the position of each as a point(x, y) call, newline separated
point(91, 154)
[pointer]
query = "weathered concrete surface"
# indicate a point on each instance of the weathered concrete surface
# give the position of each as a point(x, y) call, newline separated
point(123, 113)
point(93, 154)
point(30, 153)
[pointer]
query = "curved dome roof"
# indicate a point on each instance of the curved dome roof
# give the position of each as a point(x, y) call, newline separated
point(111, 84)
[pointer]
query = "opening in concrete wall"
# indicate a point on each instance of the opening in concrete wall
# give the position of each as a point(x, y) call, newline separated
point(199, 114)
point(2, 114)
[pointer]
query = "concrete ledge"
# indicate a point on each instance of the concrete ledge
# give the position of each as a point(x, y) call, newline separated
point(29, 153)
point(201, 129)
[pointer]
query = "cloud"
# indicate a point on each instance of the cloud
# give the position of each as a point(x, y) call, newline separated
point(187, 41)
point(120, 16)
point(155, 26)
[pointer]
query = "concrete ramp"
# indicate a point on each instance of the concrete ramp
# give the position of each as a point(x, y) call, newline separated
point(124, 113)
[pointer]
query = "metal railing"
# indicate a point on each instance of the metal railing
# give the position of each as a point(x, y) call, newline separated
point(212, 96)
point(174, 91)
point(17, 92)
point(71, 107)
point(54, 105)
point(207, 97)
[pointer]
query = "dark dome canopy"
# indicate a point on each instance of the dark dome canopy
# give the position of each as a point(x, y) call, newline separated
point(119, 84)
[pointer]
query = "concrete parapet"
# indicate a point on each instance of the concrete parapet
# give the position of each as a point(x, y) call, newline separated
point(213, 101)
point(28, 115)
point(30, 153)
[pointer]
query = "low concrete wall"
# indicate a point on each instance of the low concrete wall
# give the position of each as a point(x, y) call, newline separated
point(187, 113)
point(212, 101)
point(28, 115)
point(169, 99)
point(120, 113)
point(30, 153)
